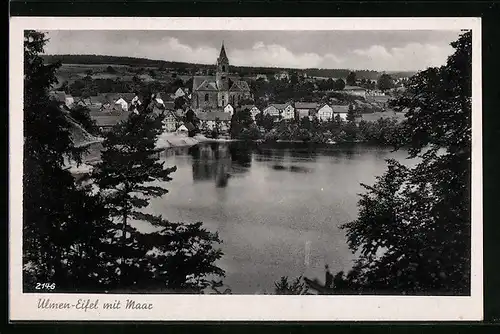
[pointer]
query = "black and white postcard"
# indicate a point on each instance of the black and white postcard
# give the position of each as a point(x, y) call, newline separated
point(292, 169)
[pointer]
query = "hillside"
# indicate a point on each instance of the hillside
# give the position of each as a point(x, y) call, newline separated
point(190, 67)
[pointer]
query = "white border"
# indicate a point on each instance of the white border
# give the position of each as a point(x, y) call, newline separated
point(243, 307)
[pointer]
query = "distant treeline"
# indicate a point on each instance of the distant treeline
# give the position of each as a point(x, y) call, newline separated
point(243, 70)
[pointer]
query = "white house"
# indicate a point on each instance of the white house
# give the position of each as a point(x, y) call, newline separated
point(254, 111)
point(229, 109)
point(325, 113)
point(122, 103)
point(281, 75)
point(69, 100)
point(340, 110)
point(284, 110)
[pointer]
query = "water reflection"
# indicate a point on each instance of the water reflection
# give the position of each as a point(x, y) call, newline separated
point(218, 162)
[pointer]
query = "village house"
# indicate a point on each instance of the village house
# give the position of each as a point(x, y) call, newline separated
point(325, 113)
point(171, 121)
point(106, 121)
point(340, 110)
point(208, 120)
point(229, 109)
point(254, 111)
point(280, 111)
point(355, 90)
point(305, 109)
point(283, 75)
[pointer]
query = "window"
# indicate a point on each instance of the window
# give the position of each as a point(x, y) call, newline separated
point(223, 68)
point(206, 97)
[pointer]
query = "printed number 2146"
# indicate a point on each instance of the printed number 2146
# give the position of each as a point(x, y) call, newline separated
point(45, 286)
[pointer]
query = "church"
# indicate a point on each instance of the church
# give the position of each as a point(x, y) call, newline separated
point(213, 93)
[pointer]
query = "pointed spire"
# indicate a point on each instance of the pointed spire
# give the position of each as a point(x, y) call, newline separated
point(222, 52)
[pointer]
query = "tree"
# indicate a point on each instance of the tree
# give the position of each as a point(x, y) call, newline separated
point(285, 287)
point(385, 82)
point(240, 121)
point(179, 256)
point(179, 102)
point(56, 212)
point(351, 115)
point(110, 70)
point(339, 84)
point(81, 114)
point(413, 229)
point(351, 79)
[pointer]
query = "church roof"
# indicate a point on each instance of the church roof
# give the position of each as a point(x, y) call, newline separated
point(204, 83)
point(240, 86)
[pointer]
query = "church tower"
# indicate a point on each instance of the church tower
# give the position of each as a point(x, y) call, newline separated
point(222, 71)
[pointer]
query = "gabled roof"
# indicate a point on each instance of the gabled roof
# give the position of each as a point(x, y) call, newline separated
point(198, 81)
point(239, 86)
point(306, 105)
point(279, 106)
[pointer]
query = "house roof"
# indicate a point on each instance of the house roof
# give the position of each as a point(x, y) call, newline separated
point(340, 108)
point(306, 105)
point(279, 106)
point(184, 127)
point(109, 119)
point(212, 116)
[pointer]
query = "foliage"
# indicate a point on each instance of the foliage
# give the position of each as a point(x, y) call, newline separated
point(339, 84)
point(179, 256)
point(385, 82)
point(81, 114)
point(286, 287)
point(242, 126)
point(56, 213)
point(110, 70)
point(73, 232)
point(413, 233)
point(351, 79)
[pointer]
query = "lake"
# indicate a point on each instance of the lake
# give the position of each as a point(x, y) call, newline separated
point(277, 207)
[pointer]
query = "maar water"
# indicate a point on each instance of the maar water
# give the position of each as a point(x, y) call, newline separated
point(277, 208)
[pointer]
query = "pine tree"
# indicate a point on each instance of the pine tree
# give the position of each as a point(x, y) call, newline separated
point(175, 257)
point(56, 213)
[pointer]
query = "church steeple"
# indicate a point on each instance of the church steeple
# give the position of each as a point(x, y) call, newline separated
point(222, 55)
point(222, 69)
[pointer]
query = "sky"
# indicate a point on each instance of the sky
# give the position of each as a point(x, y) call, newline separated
point(372, 50)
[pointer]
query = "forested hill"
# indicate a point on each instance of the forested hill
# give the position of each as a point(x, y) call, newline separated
point(245, 70)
